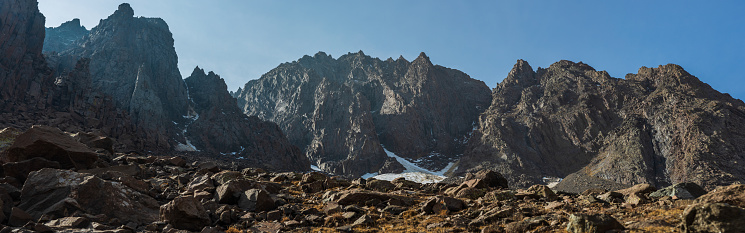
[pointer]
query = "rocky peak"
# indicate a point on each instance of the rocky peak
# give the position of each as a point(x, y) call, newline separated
point(409, 108)
point(62, 38)
point(583, 122)
point(124, 11)
point(422, 59)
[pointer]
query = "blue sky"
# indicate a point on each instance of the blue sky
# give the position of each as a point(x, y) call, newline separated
point(241, 40)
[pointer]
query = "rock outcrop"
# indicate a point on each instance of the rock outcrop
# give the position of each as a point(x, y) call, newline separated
point(340, 111)
point(221, 127)
point(62, 38)
point(660, 126)
point(133, 60)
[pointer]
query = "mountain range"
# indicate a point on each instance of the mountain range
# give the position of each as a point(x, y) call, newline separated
point(356, 114)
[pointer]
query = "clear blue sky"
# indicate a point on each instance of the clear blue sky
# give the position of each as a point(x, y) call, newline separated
point(241, 40)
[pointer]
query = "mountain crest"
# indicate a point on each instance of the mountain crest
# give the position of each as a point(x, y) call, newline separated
point(124, 11)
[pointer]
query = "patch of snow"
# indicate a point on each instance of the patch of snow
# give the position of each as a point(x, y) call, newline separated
point(315, 168)
point(419, 177)
point(411, 172)
point(368, 175)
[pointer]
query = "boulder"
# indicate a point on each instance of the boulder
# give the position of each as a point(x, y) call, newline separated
point(600, 223)
point(185, 213)
point(313, 177)
point(543, 192)
point(714, 217)
point(733, 195)
point(380, 185)
point(57, 193)
point(230, 192)
point(51, 144)
point(200, 183)
point(256, 200)
point(225, 176)
point(364, 197)
point(95, 141)
point(487, 179)
point(434, 205)
point(687, 190)
point(21, 169)
point(18, 217)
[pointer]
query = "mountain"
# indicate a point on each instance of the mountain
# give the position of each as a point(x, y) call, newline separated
point(133, 60)
point(342, 112)
point(221, 127)
point(120, 80)
point(63, 37)
point(660, 126)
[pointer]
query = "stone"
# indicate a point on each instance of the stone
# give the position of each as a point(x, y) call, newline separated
point(56, 193)
point(225, 176)
point(21, 169)
point(581, 223)
point(273, 215)
point(713, 217)
point(380, 185)
point(733, 194)
point(19, 217)
point(363, 197)
point(313, 177)
point(543, 191)
point(230, 192)
point(435, 205)
point(53, 145)
point(687, 190)
point(200, 183)
point(95, 141)
point(186, 213)
point(256, 200)
point(70, 222)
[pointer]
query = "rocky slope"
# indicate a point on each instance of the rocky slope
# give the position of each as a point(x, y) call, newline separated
point(130, 193)
point(62, 38)
point(659, 126)
point(340, 111)
point(222, 128)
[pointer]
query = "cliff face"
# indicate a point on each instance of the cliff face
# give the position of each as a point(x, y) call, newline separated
point(62, 38)
point(660, 126)
point(23, 74)
point(133, 60)
point(340, 111)
point(220, 127)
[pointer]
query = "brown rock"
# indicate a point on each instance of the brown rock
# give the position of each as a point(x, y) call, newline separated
point(543, 191)
point(733, 195)
point(380, 185)
point(185, 213)
point(256, 200)
point(59, 192)
point(230, 192)
point(592, 223)
point(51, 144)
point(21, 169)
point(225, 176)
point(69, 222)
point(363, 197)
point(714, 217)
point(313, 177)
point(18, 217)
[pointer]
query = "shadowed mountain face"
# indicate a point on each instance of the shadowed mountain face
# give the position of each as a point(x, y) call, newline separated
point(121, 80)
point(221, 127)
point(659, 126)
point(340, 111)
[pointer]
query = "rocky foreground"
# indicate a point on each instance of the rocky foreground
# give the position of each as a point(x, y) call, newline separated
point(54, 181)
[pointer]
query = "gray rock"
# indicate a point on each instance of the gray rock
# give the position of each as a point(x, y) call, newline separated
point(596, 223)
point(186, 213)
point(256, 200)
point(686, 190)
point(714, 217)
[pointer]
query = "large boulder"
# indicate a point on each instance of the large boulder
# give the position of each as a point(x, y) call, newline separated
point(714, 217)
point(58, 193)
point(582, 223)
point(733, 195)
point(51, 144)
point(185, 212)
point(686, 190)
point(256, 200)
